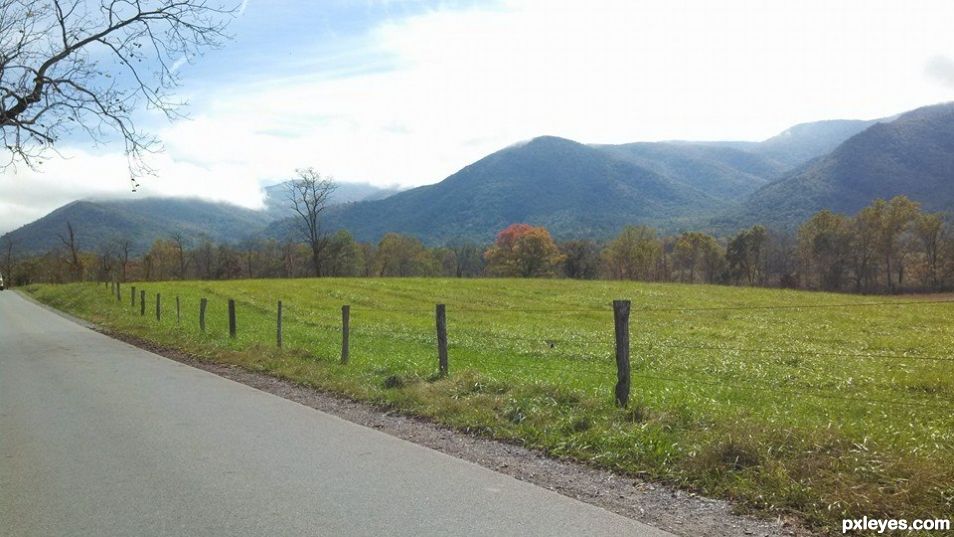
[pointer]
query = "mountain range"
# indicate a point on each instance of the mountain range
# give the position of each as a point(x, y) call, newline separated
point(913, 155)
point(580, 190)
point(98, 223)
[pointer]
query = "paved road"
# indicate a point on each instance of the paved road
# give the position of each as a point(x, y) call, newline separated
point(99, 438)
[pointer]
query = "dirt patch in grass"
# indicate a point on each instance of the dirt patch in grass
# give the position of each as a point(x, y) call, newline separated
point(393, 382)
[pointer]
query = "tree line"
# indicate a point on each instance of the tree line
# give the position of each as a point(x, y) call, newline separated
point(888, 247)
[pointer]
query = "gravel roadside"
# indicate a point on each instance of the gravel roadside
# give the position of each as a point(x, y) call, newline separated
point(658, 505)
point(661, 506)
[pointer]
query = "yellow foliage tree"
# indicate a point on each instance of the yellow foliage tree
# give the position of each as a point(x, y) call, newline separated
point(525, 251)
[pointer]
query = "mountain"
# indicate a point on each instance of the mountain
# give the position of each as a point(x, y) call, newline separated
point(723, 172)
point(571, 188)
point(806, 141)
point(579, 190)
point(98, 223)
point(912, 155)
point(591, 191)
point(790, 148)
point(276, 196)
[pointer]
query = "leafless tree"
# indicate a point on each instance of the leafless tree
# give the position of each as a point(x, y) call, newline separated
point(147, 267)
point(289, 256)
point(74, 262)
point(229, 263)
point(249, 257)
point(179, 241)
point(204, 258)
point(250, 251)
point(309, 195)
point(107, 259)
point(123, 246)
point(88, 65)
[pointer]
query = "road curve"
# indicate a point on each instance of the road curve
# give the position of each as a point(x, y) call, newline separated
point(100, 438)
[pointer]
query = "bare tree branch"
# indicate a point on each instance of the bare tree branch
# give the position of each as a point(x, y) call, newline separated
point(87, 65)
point(308, 196)
point(74, 262)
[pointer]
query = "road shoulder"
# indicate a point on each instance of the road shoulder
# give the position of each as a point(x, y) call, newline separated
point(657, 505)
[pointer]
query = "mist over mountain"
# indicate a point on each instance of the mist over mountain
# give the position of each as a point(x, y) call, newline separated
point(98, 224)
point(578, 190)
point(277, 205)
point(807, 141)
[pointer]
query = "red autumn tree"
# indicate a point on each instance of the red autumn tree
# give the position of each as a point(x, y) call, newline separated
point(523, 250)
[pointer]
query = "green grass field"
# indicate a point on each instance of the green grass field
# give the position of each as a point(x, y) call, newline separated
point(819, 405)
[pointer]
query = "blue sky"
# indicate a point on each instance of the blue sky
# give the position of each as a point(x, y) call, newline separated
point(408, 92)
point(325, 37)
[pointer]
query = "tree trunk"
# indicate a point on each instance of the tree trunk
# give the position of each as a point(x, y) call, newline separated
point(316, 261)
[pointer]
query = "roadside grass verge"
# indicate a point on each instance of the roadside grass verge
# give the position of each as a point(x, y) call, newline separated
point(814, 405)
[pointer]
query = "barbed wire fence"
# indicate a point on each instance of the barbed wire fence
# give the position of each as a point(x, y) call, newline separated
point(619, 372)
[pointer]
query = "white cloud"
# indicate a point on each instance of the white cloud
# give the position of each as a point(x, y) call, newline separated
point(29, 194)
point(466, 82)
point(630, 70)
point(941, 69)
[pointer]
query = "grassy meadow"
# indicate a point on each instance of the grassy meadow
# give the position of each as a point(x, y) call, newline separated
point(818, 405)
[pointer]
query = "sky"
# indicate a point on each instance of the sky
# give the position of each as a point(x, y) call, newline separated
point(406, 92)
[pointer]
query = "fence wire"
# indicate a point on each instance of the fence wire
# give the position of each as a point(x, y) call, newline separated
point(562, 365)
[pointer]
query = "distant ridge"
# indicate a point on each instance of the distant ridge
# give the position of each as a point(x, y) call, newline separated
point(807, 141)
point(912, 155)
point(101, 223)
point(578, 190)
point(276, 196)
point(571, 188)
point(592, 191)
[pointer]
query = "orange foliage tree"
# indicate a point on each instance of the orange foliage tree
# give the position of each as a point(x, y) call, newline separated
point(523, 250)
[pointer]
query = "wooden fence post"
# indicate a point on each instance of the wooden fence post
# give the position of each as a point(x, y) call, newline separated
point(132, 296)
point(442, 339)
point(142, 303)
point(119, 295)
point(178, 317)
point(621, 318)
point(158, 308)
point(232, 328)
point(345, 332)
point(278, 332)
point(202, 305)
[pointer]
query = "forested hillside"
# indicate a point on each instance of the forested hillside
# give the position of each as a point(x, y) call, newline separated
point(140, 222)
point(911, 156)
point(580, 191)
point(571, 188)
